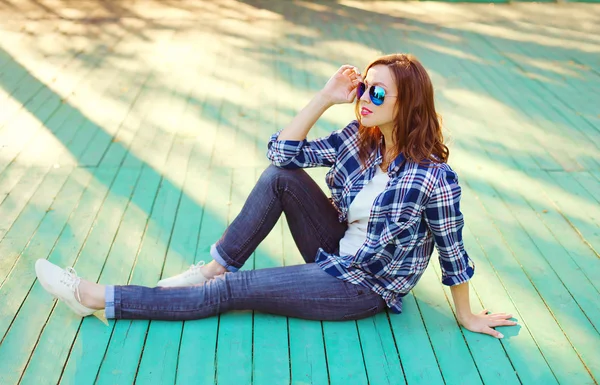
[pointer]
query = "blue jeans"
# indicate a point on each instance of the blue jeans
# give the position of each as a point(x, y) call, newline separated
point(302, 291)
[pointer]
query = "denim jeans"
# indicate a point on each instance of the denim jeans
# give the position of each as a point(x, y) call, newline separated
point(302, 291)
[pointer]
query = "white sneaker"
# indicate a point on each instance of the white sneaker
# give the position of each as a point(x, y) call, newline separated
point(62, 284)
point(190, 277)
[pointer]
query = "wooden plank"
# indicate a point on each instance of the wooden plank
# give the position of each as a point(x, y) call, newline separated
point(583, 320)
point(306, 346)
point(27, 185)
point(160, 338)
point(197, 353)
point(589, 182)
point(129, 336)
point(526, 371)
point(548, 333)
point(54, 328)
point(167, 206)
point(37, 146)
point(577, 206)
point(417, 355)
point(440, 330)
point(235, 338)
point(82, 360)
point(163, 338)
point(271, 357)
point(18, 336)
point(453, 355)
point(547, 100)
point(54, 324)
point(43, 107)
point(271, 351)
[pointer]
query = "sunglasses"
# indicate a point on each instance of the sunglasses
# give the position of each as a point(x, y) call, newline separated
point(376, 93)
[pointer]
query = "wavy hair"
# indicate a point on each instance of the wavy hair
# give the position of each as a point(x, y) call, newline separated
point(417, 126)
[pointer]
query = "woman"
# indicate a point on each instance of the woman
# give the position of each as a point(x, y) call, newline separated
point(393, 197)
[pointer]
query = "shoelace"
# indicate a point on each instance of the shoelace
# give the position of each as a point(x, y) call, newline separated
point(195, 268)
point(71, 280)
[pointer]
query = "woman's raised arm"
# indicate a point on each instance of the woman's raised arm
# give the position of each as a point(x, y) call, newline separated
point(341, 88)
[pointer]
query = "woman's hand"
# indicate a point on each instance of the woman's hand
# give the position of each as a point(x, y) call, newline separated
point(484, 322)
point(341, 87)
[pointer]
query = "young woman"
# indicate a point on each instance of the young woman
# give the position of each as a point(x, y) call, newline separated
point(392, 198)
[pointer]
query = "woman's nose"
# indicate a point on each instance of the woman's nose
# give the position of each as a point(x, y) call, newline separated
point(365, 96)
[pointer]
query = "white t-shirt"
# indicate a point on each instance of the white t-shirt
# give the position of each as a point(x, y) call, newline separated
point(359, 212)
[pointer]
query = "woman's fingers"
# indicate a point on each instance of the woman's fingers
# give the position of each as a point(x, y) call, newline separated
point(501, 315)
point(492, 332)
point(352, 95)
point(346, 67)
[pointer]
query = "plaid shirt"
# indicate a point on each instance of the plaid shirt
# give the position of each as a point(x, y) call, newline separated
point(419, 207)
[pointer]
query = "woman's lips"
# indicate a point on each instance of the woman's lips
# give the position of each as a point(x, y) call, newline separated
point(365, 111)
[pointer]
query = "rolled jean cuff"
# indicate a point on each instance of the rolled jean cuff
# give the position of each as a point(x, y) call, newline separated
point(217, 257)
point(109, 299)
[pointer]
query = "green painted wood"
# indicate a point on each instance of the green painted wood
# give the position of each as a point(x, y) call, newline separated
point(521, 349)
point(126, 180)
point(12, 206)
point(308, 363)
point(490, 354)
point(165, 204)
point(577, 206)
point(550, 336)
point(344, 354)
point(583, 290)
point(577, 283)
point(553, 115)
point(590, 183)
point(492, 365)
point(197, 352)
point(19, 80)
point(499, 80)
point(123, 351)
point(381, 358)
point(18, 341)
point(271, 357)
point(11, 210)
point(584, 321)
point(51, 221)
point(90, 340)
point(235, 334)
point(58, 321)
point(567, 82)
point(417, 356)
point(584, 258)
point(45, 106)
point(271, 338)
point(444, 333)
point(509, 146)
point(196, 361)
point(163, 338)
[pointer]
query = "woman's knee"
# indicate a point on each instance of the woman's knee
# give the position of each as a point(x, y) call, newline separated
point(273, 175)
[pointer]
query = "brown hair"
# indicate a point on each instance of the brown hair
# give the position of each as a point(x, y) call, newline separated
point(417, 126)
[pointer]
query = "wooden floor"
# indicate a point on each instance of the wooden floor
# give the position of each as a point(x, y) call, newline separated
point(131, 133)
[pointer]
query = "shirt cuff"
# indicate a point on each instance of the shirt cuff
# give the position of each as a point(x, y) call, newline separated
point(453, 280)
point(282, 152)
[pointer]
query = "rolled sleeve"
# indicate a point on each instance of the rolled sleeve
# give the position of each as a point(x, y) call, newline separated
point(303, 153)
point(446, 222)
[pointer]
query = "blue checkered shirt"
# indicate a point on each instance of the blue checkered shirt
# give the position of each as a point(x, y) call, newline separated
point(419, 207)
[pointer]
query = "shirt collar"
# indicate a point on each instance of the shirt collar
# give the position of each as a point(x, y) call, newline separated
point(394, 166)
